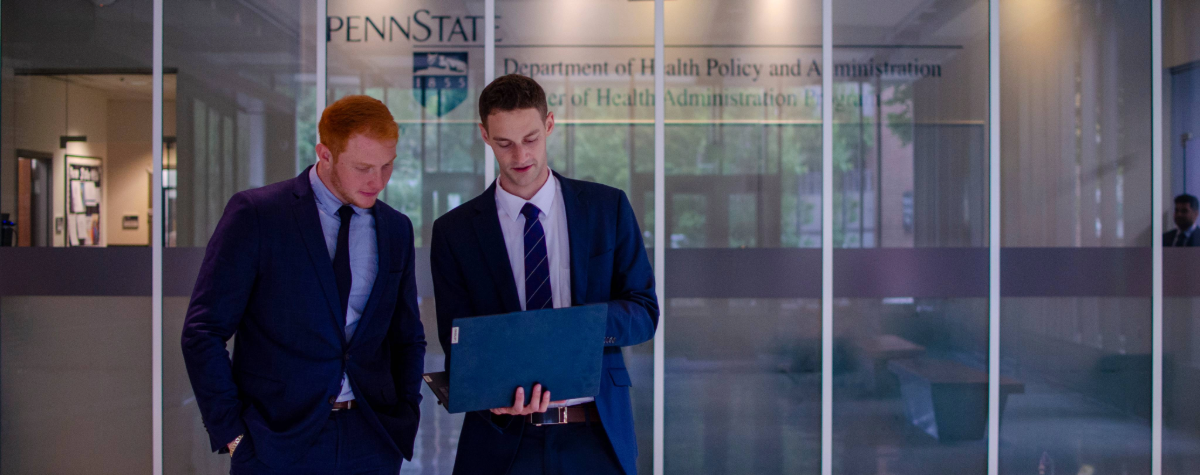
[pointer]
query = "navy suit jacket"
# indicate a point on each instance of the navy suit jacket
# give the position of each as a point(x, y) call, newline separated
point(472, 277)
point(1191, 241)
point(267, 280)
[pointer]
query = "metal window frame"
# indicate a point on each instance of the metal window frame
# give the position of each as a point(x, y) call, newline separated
point(827, 237)
point(994, 241)
point(156, 243)
point(660, 231)
point(1156, 220)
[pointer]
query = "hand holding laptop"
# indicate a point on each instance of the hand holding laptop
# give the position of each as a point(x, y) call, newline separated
point(554, 348)
point(538, 403)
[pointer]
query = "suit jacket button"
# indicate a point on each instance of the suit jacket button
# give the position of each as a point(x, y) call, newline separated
point(346, 357)
point(332, 399)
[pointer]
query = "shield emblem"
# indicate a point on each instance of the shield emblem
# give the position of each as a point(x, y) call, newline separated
point(440, 80)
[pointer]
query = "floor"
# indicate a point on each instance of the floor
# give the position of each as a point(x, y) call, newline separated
point(758, 417)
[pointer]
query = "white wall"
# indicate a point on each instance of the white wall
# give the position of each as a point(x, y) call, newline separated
point(41, 115)
point(118, 132)
point(128, 165)
point(1181, 44)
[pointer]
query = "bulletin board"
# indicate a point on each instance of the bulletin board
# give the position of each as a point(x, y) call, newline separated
point(84, 195)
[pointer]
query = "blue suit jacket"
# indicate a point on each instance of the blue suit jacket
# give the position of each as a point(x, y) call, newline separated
point(1169, 238)
point(268, 281)
point(472, 277)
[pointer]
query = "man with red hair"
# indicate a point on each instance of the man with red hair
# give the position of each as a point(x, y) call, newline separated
point(314, 279)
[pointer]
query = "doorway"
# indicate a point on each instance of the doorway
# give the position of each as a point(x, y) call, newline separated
point(35, 199)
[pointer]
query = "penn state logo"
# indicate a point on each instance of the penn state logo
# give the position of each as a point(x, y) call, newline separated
point(440, 80)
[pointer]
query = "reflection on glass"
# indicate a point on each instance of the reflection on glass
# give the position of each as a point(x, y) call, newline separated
point(743, 398)
point(75, 373)
point(1181, 124)
point(1181, 358)
point(910, 171)
point(1087, 375)
point(601, 92)
point(743, 180)
point(594, 61)
point(75, 150)
point(425, 61)
point(1076, 174)
point(233, 120)
point(910, 390)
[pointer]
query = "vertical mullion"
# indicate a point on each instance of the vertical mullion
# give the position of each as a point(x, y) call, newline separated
point(322, 60)
point(1156, 186)
point(827, 237)
point(489, 73)
point(994, 237)
point(660, 230)
point(156, 243)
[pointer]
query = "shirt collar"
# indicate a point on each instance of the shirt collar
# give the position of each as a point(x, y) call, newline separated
point(1189, 231)
point(512, 204)
point(326, 200)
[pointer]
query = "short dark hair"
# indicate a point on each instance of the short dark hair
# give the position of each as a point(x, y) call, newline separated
point(1189, 199)
point(512, 92)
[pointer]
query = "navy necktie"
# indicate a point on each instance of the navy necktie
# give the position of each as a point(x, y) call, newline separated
point(537, 263)
point(341, 257)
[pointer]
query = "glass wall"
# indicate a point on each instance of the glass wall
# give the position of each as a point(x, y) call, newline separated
point(743, 201)
point(1076, 190)
point(242, 115)
point(910, 236)
point(424, 59)
point(742, 214)
point(595, 60)
point(75, 145)
point(1181, 295)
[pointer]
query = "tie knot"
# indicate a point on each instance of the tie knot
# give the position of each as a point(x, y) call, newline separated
point(345, 212)
point(530, 211)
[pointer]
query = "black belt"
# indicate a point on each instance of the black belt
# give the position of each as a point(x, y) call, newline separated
point(585, 412)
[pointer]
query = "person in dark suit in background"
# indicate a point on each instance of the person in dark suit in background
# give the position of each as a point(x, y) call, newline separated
point(314, 278)
point(535, 239)
point(1184, 234)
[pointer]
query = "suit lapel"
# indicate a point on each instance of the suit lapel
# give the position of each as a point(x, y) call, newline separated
point(579, 233)
point(383, 269)
point(491, 242)
point(304, 209)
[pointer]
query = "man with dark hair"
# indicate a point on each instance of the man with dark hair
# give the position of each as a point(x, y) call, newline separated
point(1185, 235)
point(535, 239)
point(510, 93)
point(314, 277)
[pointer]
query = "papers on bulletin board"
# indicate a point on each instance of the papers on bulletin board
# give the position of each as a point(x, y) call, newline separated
point(74, 173)
point(77, 201)
point(76, 234)
point(91, 193)
point(83, 226)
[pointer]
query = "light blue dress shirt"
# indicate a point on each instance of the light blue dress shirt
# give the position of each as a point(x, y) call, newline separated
point(364, 255)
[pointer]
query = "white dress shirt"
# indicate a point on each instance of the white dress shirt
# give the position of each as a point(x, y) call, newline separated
point(549, 200)
point(1182, 236)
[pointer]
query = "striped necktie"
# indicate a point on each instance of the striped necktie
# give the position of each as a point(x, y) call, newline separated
point(537, 263)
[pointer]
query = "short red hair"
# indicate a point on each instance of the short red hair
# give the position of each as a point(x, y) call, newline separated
point(353, 115)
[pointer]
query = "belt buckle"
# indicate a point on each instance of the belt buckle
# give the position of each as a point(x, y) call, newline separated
point(560, 417)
